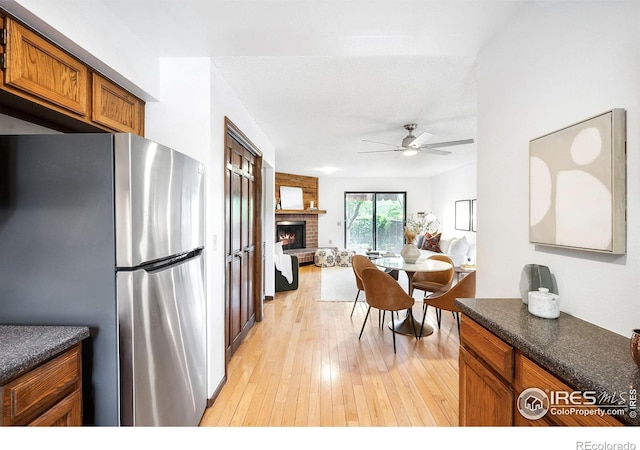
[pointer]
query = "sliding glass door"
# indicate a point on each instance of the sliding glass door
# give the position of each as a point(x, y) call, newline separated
point(374, 220)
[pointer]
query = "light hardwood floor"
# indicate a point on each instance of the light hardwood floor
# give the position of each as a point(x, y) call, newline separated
point(303, 365)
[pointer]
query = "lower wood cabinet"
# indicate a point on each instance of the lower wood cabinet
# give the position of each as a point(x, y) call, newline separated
point(485, 399)
point(48, 395)
point(529, 374)
point(493, 375)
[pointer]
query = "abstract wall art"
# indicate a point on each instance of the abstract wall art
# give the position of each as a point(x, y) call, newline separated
point(577, 185)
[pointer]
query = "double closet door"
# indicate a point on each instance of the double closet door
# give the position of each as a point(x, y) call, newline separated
point(243, 290)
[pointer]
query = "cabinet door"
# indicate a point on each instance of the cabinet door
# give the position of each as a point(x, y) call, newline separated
point(485, 400)
point(116, 108)
point(39, 68)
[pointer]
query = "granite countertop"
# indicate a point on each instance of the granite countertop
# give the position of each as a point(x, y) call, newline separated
point(24, 347)
point(583, 355)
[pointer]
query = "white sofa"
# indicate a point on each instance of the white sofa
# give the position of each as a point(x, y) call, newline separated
point(457, 248)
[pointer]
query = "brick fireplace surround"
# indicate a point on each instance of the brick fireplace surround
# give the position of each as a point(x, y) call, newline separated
point(305, 255)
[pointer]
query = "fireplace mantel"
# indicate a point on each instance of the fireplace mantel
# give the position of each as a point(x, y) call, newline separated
point(300, 211)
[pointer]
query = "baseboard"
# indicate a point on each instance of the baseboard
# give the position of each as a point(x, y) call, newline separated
point(213, 398)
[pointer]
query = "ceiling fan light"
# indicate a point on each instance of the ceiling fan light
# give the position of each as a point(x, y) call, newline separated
point(410, 152)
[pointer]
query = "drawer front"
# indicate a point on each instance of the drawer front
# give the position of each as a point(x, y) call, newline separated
point(496, 353)
point(531, 375)
point(67, 413)
point(29, 395)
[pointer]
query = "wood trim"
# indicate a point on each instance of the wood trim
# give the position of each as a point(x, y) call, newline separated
point(301, 211)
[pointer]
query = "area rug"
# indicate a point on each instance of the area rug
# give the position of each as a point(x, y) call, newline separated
point(338, 284)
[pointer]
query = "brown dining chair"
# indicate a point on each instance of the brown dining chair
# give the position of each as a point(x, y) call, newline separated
point(434, 282)
point(359, 263)
point(384, 293)
point(465, 288)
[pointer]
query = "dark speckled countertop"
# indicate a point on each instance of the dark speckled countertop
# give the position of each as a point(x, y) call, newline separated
point(24, 347)
point(583, 355)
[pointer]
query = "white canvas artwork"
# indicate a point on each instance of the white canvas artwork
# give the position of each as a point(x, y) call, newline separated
point(291, 197)
point(577, 185)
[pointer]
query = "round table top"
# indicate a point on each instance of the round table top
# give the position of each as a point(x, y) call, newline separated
point(422, 265)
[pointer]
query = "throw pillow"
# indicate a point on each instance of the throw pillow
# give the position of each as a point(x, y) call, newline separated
point(458, 250)
point(432, 242)
point(445, 244)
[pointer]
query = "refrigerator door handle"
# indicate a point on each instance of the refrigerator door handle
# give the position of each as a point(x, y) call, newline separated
point(171, 261)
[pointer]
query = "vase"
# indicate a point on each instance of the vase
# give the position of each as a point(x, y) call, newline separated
point(532, 277)
point(635, 346)
point(410, 253)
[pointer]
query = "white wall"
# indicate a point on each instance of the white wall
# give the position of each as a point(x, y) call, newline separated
point(556, 64)
point(331, 198)
point(446, 189)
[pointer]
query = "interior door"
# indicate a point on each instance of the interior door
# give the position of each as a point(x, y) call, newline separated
point(243, 269)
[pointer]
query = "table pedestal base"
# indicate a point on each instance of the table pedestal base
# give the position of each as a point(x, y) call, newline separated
point(405, 326)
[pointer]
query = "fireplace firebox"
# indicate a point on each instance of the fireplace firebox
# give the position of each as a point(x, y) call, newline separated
point(291, 234)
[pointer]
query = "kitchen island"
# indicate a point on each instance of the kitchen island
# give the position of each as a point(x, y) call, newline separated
point(41, 374)
point(524, 350)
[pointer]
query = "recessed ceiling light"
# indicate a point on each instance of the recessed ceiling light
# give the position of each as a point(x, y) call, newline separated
point(328, 169)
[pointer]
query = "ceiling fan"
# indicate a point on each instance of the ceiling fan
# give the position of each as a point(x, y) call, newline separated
point(412, 145)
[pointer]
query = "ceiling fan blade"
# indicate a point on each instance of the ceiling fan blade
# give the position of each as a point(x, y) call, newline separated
point(421, 139)
point(382, 143)
point(384, 151)
point(448, 143)
point(433, 151)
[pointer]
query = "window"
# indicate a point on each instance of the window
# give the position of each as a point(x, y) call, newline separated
point(374, 220)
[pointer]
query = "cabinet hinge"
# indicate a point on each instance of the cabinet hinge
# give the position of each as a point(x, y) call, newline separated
point(3, 61)
point(3, 36)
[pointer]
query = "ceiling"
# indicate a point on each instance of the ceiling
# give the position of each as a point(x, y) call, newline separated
point(319, 76)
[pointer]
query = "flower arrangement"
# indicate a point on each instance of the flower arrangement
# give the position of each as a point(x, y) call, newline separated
point(410, 234)
point(422, 224)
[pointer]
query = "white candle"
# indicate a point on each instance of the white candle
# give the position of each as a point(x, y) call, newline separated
point(312, 203)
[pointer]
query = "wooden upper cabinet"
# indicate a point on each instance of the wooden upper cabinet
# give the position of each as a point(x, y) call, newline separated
point(36, 66)
point(116, 108)
point(50, 86)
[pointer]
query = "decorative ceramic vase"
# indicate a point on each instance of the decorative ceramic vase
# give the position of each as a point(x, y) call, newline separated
point(635, 346)
point(410, 253)
point(534, 276)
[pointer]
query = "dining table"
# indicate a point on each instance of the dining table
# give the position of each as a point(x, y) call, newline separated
point(408, 324)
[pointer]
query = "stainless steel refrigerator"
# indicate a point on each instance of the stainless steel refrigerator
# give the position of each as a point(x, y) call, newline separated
point(107, 231)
